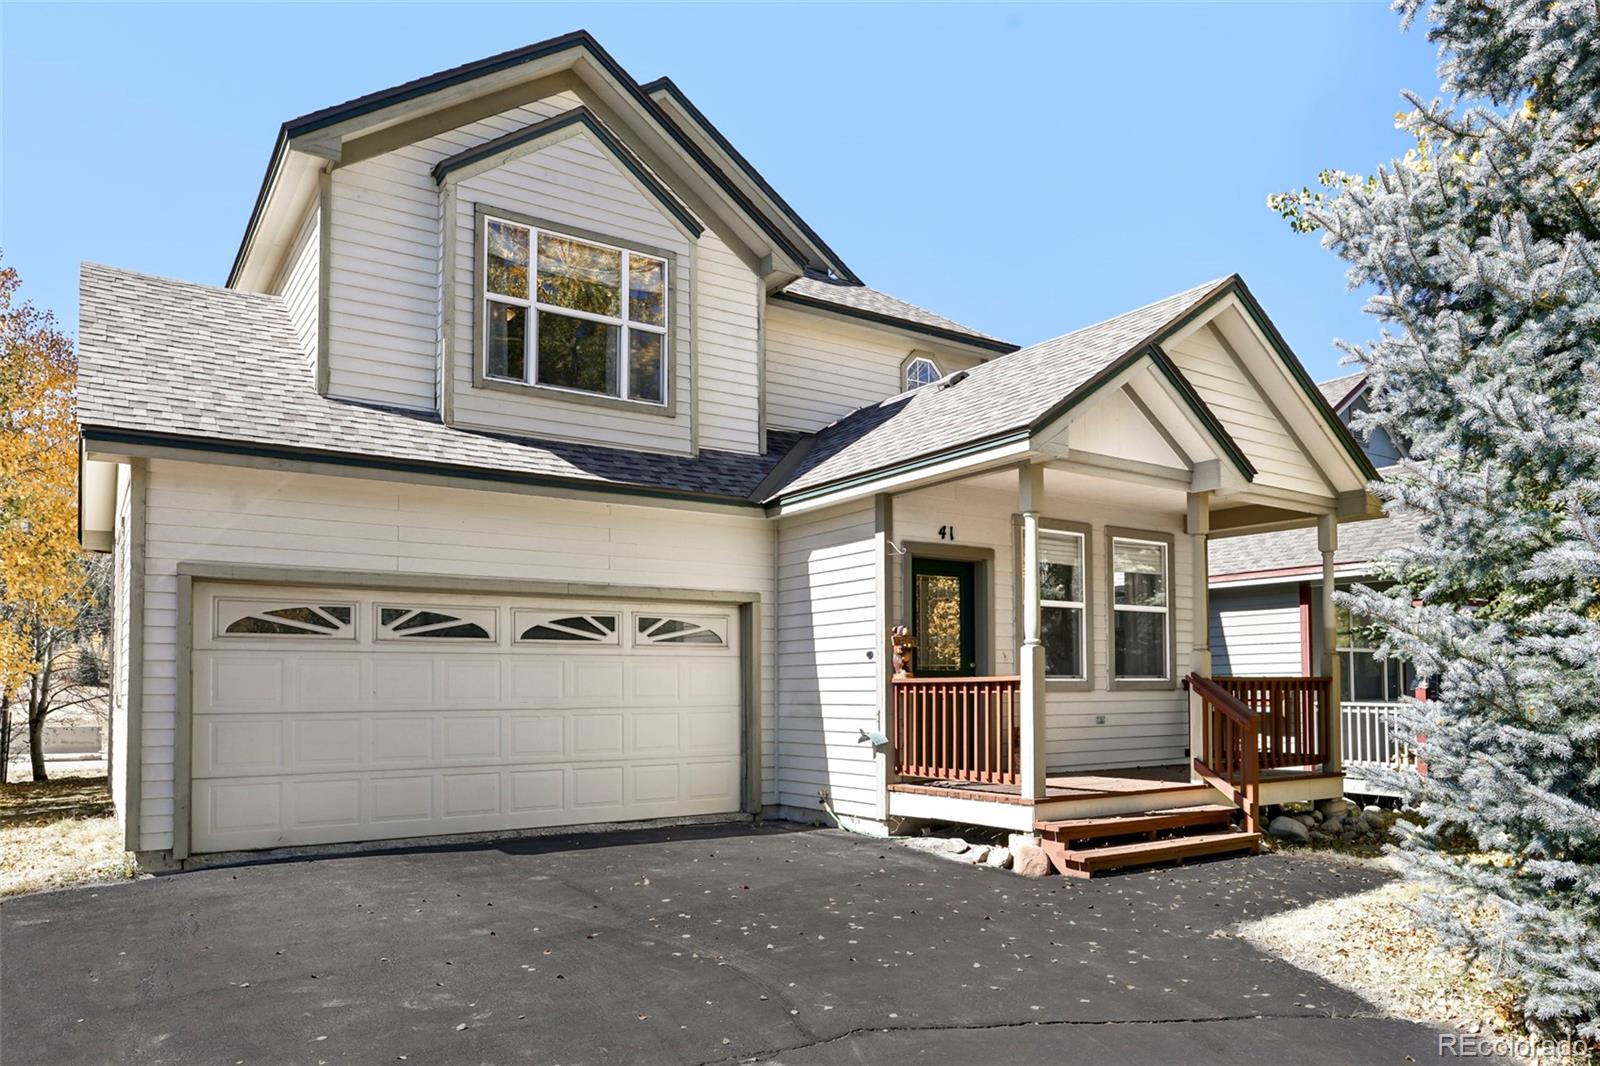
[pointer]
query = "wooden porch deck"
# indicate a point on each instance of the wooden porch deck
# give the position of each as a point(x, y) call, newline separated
point(1091, 784)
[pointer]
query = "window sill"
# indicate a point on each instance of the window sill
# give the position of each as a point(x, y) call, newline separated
point(1144, 685)
point(614, 403)
point(1063, 684)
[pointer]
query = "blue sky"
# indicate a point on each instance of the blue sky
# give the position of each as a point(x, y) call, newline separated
point(1023, 169)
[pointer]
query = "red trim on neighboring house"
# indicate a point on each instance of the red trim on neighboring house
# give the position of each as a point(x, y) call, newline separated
point(1305, 630)
point(1257, 575)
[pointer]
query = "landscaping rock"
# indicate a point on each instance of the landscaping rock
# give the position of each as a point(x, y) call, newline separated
point(999, 858)
point(1030, 861)
point(1285, 828)
point(1305, 819)
point(1334, 806)
point(977, 856)
point(955, 846)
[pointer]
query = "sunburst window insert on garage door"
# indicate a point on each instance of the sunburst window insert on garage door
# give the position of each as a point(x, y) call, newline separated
point(279, 618)
point(401, 622)
point(707, 630)
point(565, 627)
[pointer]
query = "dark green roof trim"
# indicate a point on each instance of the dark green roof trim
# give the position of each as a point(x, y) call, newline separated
point(1202, 411)
point(953, 336)
point(909, 465)
point(328, 116)
point(215, 446)
point(1235, 286)
point(668, 86)
point(1180, 384)
point(578, 116)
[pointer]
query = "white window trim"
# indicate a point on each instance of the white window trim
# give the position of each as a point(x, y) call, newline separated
point(905, 373)
point(1081, 606)
point(530, 355)
point(1131, 608)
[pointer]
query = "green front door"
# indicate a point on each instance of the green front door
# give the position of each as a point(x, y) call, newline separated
point(943, 617)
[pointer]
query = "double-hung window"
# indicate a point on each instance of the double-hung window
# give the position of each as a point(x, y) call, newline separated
point(569, 313)
point(1140, 614)
point(1063, 620)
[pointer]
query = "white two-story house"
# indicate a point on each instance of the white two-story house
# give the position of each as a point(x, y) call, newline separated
point(540, 466)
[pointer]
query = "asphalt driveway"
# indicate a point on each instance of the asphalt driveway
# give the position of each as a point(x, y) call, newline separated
point(682, 946)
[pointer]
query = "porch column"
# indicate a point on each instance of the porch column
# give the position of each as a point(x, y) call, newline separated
point(1199, 526)
point(1328, 544)
point(1200, 540)
point(1030, 657)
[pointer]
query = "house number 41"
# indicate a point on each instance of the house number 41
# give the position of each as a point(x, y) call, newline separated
point(947, 532)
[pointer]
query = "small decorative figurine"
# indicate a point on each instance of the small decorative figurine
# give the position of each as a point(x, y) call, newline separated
point(903, 642)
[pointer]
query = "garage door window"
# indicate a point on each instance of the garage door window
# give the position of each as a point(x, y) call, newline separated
point(258, 618)
point(534, 627)
point(703, 631)
point(434, 623)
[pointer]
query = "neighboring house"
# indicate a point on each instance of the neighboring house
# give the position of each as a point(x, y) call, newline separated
point(540, 466)
point(1263, 587)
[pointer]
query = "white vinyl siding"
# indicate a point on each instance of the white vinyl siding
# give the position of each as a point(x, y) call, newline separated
point(298, 287)
point(1256, 632)
point(827, 687)
point(215, 514)
point(727, 310)
point(820, 368)
point(1141, 728)
point(1249, 419)
point(121, 572)
point(573, 184)
point(387, 258)
point(385, 252)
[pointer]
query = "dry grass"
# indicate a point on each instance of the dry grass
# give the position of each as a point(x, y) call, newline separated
point(1372, 944)
point(58, 833)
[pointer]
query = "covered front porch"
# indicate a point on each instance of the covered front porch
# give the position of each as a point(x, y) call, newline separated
point(1092, 587)
point(958, 755)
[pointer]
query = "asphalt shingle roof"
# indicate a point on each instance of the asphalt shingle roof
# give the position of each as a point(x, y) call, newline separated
point(186, 361)
point(182, 360)
point(882, 305)
point(1335, 389)
point(1001, 395)
point(1288, 549)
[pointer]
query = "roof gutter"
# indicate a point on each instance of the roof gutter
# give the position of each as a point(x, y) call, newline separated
point(950, 335)
point(139, 442)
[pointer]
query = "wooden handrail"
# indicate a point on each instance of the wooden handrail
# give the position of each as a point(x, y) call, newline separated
point(1229, 758)
point(958, 728)
point(1296, 717)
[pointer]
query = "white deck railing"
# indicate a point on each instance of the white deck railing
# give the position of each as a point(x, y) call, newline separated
point(1373, 737)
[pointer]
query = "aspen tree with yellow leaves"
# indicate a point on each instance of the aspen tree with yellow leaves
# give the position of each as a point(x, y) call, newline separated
point(49, 606)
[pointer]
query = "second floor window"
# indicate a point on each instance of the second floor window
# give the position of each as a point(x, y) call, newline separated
point(919, 372)
point(573, 314)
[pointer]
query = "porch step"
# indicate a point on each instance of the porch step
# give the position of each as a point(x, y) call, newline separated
point(1087, 862)
point(1066, 830)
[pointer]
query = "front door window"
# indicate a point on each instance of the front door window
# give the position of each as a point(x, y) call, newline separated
point(942, 613)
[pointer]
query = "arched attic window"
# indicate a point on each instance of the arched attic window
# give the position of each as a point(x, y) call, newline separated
point(919, 370)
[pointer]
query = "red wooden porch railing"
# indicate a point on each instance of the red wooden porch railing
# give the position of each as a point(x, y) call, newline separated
point(1294, 712)
point(958, 728)
point(1229, 755)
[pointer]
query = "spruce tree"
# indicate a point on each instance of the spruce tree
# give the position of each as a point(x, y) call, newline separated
point(1482, 246)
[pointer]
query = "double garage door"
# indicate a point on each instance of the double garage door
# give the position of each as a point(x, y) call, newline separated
point(341, 715)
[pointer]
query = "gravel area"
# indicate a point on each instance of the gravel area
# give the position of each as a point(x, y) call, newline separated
point(1371, 944)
